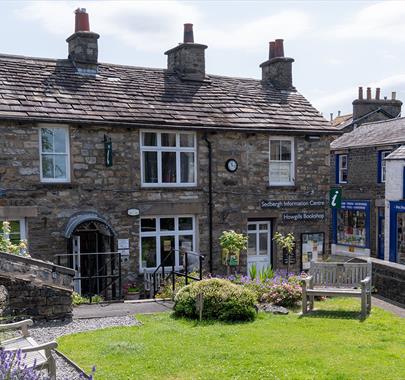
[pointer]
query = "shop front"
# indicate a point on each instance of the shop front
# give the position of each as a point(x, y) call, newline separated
point(351, 228)
point(397, 232)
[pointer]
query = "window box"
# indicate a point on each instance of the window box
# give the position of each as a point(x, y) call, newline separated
point(168, 159)
point(282, 161)
point(54, 154)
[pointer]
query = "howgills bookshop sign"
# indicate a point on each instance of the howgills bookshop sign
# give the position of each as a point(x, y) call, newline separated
point(303, 216)
point(292, 203)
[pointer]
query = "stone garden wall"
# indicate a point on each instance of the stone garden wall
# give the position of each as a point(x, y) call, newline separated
point(34, 288)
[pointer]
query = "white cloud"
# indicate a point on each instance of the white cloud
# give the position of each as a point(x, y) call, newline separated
point(381, 20)
point(141, 24)
point(343, 99)
point(157, 25)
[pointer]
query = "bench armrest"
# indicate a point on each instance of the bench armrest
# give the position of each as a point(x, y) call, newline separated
point(17, 325)
point(366, 282)
point(46, 346)
point(306, 282)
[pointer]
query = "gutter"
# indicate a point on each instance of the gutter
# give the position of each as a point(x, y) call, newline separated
point(149, 124)
point(210, 204)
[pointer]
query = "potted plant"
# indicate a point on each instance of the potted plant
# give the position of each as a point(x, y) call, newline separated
point(287, 244)
point(132, 292)
point(232, 243)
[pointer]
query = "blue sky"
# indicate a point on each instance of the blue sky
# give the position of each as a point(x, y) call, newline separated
point(337, 45)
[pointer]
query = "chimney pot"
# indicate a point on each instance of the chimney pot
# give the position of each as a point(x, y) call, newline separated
point(272, 49)
point(338, 113)
point(368, 93)
point(82, 23)
point(377, 93)
point(188, 33)
point(279, 48)
point(393, 95)
point(331, 116)
point(360, 93)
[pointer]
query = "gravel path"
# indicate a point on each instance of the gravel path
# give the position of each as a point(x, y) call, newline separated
point(46, 331)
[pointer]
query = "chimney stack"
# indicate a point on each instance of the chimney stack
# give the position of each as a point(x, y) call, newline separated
point(278, 69)
point(375, 109)
point(82, 44)
point(187, 59)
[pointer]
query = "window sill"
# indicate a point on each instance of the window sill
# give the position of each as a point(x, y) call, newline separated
point(57, 185)
point(281, 187)
point(171, 188)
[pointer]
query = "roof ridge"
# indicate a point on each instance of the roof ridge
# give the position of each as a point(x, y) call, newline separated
point(381, 121)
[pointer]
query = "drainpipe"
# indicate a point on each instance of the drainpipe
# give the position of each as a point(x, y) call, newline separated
point(210, 205)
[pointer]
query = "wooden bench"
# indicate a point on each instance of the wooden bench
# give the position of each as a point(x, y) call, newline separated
point(338, 279)
point(38, 356)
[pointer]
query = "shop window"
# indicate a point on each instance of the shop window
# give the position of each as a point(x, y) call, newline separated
point(281, 168)
point(351, 227)
point(341, 168)
point(164, 238)
point(401, 237)
point(18, 230)
point(54, 154)
point(382, 163)
point(168, 158)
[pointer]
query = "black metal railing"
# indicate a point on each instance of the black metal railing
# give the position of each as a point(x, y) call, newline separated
point(173, 272)
point(105, 280)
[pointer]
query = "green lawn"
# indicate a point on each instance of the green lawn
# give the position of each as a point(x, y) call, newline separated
point(330, 344)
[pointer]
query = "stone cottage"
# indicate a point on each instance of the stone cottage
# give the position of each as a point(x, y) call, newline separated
point(97, 158)
point(359, 168)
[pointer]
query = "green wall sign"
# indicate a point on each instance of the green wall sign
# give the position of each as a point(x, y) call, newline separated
point(107, 151)
point(335, 198)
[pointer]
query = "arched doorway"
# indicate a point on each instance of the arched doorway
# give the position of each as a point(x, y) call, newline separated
point(91, 252)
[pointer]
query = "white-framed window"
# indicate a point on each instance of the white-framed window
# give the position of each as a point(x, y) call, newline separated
point(168, 158)
point(161, 235)
point(54, 153)
point(282, 161)
point(342, 167)
point(259, 243)
point(18, 230)
point(383, 164)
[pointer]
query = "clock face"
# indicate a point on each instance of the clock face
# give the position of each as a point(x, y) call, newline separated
point(231, 165)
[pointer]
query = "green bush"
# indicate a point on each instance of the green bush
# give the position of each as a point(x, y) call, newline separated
point(222, 301)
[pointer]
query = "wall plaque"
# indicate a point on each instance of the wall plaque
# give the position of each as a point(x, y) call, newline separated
point(290, 203)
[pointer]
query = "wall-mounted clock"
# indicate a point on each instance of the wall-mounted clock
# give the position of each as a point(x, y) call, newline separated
point(231, 165)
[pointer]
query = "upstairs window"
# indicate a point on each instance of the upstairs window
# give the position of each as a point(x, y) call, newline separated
point(341, 168)
point(54, 152)
point(168, 158)
point(382, 165)
point(281, 171)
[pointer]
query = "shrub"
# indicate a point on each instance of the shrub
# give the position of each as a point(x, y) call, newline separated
point(77, 299)
point(284, 293)
point(222, 300)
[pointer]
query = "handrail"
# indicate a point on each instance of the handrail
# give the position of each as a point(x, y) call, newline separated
point(175, 273)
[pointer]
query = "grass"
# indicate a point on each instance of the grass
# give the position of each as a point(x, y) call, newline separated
point(330, 344)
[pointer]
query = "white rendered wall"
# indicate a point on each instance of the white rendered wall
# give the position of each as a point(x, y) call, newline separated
point(394, 183)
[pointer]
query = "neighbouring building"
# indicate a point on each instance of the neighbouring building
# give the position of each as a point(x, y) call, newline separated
point(359, 161)
point(395, 206)
point(368, 109)
point(97, 158)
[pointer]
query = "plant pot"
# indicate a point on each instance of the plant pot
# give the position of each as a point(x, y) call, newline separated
point(133, 296)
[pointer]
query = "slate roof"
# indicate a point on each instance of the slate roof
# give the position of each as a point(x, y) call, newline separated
point(398, 154)
point(36, 89)
point(340, 122)
point(373, 134)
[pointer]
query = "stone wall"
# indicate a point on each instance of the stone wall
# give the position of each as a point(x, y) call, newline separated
point(111, 191)
point(33, 288)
